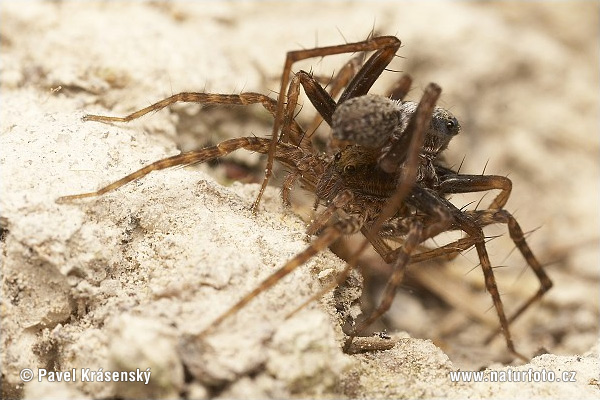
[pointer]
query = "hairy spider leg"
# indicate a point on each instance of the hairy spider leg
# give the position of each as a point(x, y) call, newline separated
point(462, 183)
point(400, 88)
point(370, 72)
point(242, 99)
point(473, 229)
point(451, 182)
point(321, 100)
point(336, 85)
point(471, 223)
point(286, 153)
point(495, 214)
point(325, 107)
point(484, 218)
point(382, 44)
point(487, 217)
point(246, 98)
point(389, 255)
point(307, 169)
point(418, 232)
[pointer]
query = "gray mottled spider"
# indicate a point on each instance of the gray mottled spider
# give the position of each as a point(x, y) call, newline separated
point(381, 176)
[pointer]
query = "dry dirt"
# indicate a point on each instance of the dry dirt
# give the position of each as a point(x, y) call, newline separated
point(124, 281)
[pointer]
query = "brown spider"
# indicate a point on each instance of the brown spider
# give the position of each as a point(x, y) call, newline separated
point(385, 180)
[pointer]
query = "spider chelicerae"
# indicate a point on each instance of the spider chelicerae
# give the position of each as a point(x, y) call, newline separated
point(381, 174)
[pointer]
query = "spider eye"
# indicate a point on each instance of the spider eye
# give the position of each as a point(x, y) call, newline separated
point(337, 156)
point(349, 169)
point(452, 125)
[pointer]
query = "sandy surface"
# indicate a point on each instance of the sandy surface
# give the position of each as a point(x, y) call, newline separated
point(124, 281)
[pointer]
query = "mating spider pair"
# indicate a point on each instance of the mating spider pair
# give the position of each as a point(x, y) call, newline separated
point(381, 175)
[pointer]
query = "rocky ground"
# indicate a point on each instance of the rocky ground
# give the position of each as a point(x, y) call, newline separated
point(126, 280)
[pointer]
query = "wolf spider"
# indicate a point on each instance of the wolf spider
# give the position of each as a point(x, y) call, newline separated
point(382, 176)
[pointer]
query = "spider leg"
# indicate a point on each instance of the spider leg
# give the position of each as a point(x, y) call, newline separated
point(413, 238)
point(336, 85)
point(370, 72)
point(472, 225)
point(381, 44)
point(241, 99)
point(384, 251)
point(287, 185)
point(306, 169)
point(286, 153)
point(399, 229)
point(330, 234)
point(474, 230)
point(400, 88)
point(396, 229)
point(419, 230)
point(486, 217)
point(446, 250)
point(495, 214)
point(380, 246)
point(339, 201)
point(320, 99)
point(451, 182)
point(345, 74)
point(459, 183)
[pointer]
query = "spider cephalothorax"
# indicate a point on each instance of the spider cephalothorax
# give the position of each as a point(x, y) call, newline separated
point(371, 122)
